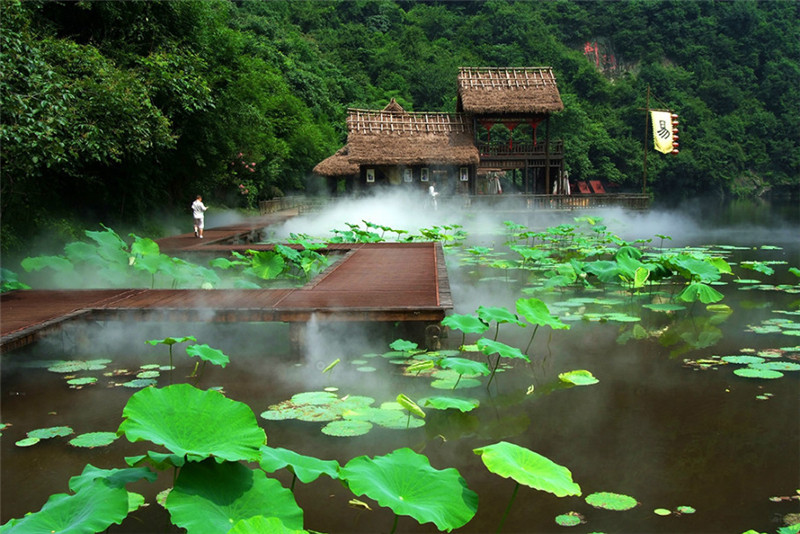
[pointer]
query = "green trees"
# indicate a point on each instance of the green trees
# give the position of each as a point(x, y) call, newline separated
point(113, 109)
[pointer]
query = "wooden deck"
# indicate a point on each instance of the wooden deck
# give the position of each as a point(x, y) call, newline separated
point(372, 282)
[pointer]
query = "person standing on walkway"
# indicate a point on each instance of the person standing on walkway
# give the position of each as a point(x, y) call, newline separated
point(198, 210)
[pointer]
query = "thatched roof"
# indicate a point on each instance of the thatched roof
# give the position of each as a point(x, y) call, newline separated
point(501, 90)
point(337, 165)
point(397, 137)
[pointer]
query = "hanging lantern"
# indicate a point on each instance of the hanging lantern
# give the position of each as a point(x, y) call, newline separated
point(675, 136)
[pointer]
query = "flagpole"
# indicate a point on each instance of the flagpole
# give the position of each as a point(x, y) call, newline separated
point(646, 129)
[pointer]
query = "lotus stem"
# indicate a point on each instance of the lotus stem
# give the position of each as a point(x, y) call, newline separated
point(394, 527)
point(457, 381)
point(496, 363)
point(170, 364)
point(508, 508)
point(531, 340)
point(294, 479)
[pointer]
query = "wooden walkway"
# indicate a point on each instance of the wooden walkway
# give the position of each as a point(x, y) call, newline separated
point(372, 282)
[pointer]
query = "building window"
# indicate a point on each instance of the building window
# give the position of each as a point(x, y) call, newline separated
point(407, 175)
point(464, 174)
point(423, 174)
point(370, 175)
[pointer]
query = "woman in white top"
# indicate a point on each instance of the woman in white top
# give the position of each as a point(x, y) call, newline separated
point(198, 209)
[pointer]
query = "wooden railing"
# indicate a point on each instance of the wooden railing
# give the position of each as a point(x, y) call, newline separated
point(519, 149)
point(301, 203)
point(637, 201)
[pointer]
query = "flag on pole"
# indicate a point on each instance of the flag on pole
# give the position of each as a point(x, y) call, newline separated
point(662, 131)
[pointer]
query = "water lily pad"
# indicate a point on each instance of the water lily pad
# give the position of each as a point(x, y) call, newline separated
point(405, 482)
point(664, 307)
point(366, 369)
point(611, 501)
point(91, 440)
point(685, 510)
point(750, 372)
point(445, 403)
point(209, 497)
point(74, 366)
point(777, 366)
point(529, 468)
point(579, 377)
point(306, 468)
point(662, 512)
point(347, 428)
point(50, 432)
point(743, 359)
point(148, 374)
point(27, 442)
point(140, 383)
point(189, 421)
point(570, 519)
point(82, 381)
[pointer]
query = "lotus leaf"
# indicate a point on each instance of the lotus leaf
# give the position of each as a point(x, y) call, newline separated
point(209, 497)
point(208, 354)
point(94, 439)
point(50, 432)
point(664, 307)
point(306, 468)
point(192, 422)
point(405, 482)
point(685, 510)
point(93, 508)
point(777, 366)
point(570, 519)
point(528, 468)
point(579, 377)
point(263, 525)
point(402, 345)
point(410, 405)
point(742, 359)
point(751, 372)
point(27, 442)
point(489, 347)
point(73, 366)
point(662, 512)
point(611, 501)
point(140, 383)
point(536, 312)
point(445, 403)
point(499, 314)
point(347, 428)
point(464, 366)
point(702, 292)
point(170, 340)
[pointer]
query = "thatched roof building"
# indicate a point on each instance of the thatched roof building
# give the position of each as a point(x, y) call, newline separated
point(511, 90)
point(337, 165)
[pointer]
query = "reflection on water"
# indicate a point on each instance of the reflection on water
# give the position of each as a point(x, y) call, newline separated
point(657, 426)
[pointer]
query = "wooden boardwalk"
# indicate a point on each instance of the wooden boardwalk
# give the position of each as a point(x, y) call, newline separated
point(372, 282)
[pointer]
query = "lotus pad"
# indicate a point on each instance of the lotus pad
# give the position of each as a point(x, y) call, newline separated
point(611, 501)
point(529, 468)
point(405, 482)
point(580, 377)
point(209, 497)
point(189, 421)
point(306, 468)
point(263, 525)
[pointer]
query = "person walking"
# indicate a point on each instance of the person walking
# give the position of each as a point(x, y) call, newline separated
point(198, 210)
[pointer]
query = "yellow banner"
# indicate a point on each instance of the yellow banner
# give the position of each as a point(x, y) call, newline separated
point(662, 131)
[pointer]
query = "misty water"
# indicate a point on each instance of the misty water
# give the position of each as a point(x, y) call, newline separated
point(657, 426)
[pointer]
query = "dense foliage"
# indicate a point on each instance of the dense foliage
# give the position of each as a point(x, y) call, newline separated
point(114, 109)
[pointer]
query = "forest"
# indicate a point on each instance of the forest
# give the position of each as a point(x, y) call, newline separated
point(114, 111)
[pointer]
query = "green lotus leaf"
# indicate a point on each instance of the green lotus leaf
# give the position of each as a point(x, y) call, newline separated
point(464, 366)
point(445, 403)
point(402, 345)
point(347, 428)
point(306, 468)
point(498, 314)
point(74, 366)
point(742, 359)
point(82, 381)
point(420, 366)
point(93, 508)
point(117, 478)
point(611, 501)
point(489, 347)
point(27, 442)
point(94, 439)
point(528, 468)
point(579, 377)
point(140, 383)
point(171, 340)
point(777, 366)
point(405, 482)
point(158, 460)
point(263, 525)
point(570, 519)
point(469, 324)
point(685, 510)
point(702, 292)
point(410, 405)
point(50, 432)
point(662, 512)
point(209, 497)
point(751, 372)
point(189, 421)
point(208, 354)
point(536, 312)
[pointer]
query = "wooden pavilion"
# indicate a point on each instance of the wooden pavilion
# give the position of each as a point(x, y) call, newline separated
point(499, 112)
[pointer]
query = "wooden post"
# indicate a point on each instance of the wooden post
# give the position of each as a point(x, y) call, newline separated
point(646, 128)
point(547, 158)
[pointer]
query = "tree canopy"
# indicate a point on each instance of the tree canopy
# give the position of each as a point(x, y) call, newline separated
point(112, 109)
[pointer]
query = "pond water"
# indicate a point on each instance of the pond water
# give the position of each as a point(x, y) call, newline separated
point(659, 425)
